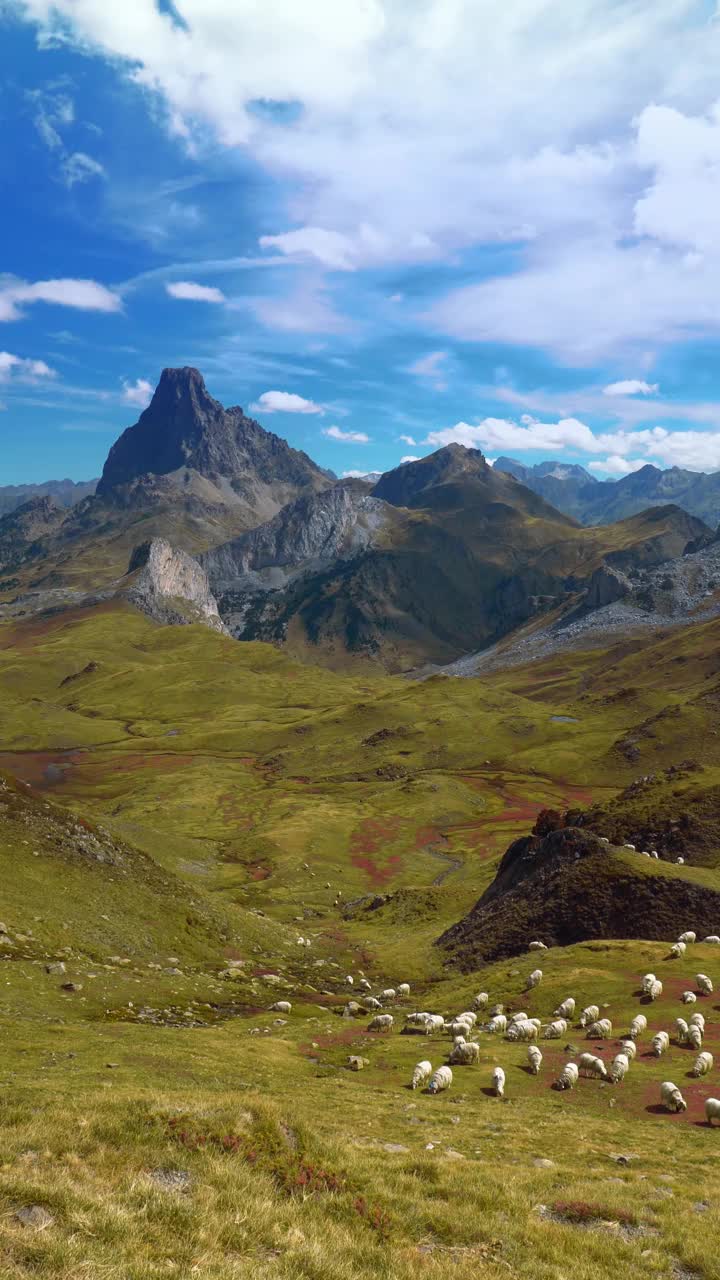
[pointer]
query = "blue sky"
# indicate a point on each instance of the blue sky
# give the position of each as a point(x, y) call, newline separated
point(385, 224)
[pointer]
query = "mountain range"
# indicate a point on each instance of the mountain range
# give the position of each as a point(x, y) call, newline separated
point(438, 558)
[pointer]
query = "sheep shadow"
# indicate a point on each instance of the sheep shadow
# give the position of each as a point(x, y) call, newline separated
point(489, 1092)
point(657, 1109)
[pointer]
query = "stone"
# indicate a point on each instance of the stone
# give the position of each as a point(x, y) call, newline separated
point(34, 1216)
point(56, 967)
point(541, 1162)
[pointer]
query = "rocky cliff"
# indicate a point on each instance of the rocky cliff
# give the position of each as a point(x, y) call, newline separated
point(168, 585)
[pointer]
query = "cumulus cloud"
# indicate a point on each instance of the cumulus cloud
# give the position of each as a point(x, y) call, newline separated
point(84, 295)
point(616, 466)
point(284, 402)
point(346, 437)
point(408, 440)
point(20, 367)
point(409, 457)
point(191, 292)
point(139, 393)
point(630, 387)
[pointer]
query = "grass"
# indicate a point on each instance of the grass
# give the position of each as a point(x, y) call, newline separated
point(169, 1122)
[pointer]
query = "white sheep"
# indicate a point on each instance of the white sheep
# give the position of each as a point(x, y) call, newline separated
point(388, 994)
point(537, 1022)
point(520, 1016)
point(590, 1013)
point(566, 1009)
point(688, 936)
point(497, 1024)
point(681, 1030)
point(671, 1097)
point(404, 989)
point(371, 1003)
point(629, 846)
point(679, 862)
point(712, 1109)
point(555, 1030)
point(589, 1065)
point(522, 1031)
point(468, 1015)
point(537, 946)
point(601, 1030)
point(714, 938)
point(281, 1006)
point(421, 1074)
point(496, 1009)
point(647, 983)
point(383, 1022)
point(435, 1022)
point(678, 950)
point(534, 979)
point(568, 1077)
point(534, 1059)
point(481, 999)
point(366, 986)
point(637, 1026)
point(655, 990)
point(498, 1079)
point(441, 1080)
point(704, 984)
point(620, 1067)
point(349, 980)
point(697, 1020)
point(688, 997)
point(603, 840)
point(695, 1037)
point(629, 1048)
point(660, 1043)
point(703, 1063)
point(465, 1054)
point(459, 1028)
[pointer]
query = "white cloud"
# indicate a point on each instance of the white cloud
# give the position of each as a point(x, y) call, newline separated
point(346, 437)
point(79, 167)
point(408, 440)
point(190, 292)
point(139, 393)
point(284, 402)
point(19, 367)
point(328, 247)
point(361, 475)
point(617, 466)
point(409, 457)
point(307, 309)
point(85, 295)
point(630, 387)
point(431, 368)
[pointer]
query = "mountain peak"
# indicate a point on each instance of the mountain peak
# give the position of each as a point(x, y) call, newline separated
point(403, 486)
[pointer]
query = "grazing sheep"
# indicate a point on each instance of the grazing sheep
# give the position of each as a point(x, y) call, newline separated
point(554, 1030)
point(679, 862)
point(637, 1026)
point(383, 1022)
point(442, 1079)
point(349, 979)
point(566, 1009)
point(371, 1003)
point(703, 1063)
point(568, 1077)
point(497, 1024)
point(712, 1109)
point(496, 1009)
point(468, 1016)
point(629, 1048)
point(704, 985)
point(655, 990)
point(389, 994)
point(590, 1014)
point(459, 1028)
point(589, 1065)
point(404, 989)
point(629, 846)
point(421, 1074)
point(697, 1020)
point(465, 1054)
point(603, 840)
point(688, 936)
point(481, 1000)
point(647, 983)
point(677, 950)
point(600, 1030)
point(498, 1079)
point(660, 1043)
point(281, 1006)
point(681, 1030)
point(695, 1037)
point(534, 979)
point(522, 1031)
point(671, 1097)
point(534, 1059)
point(712, 937)
point(366, 986)
point(520, 1016)
point(536, 946)
point(688, 997)
point(536, 1023)
point(620, 1067)
point(435, 1022)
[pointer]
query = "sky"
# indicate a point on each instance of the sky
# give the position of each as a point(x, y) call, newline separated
point(379, 225)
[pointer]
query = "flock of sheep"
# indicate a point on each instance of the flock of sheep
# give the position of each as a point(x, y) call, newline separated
point(519, 1027)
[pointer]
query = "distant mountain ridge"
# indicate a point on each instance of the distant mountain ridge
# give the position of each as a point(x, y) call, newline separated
point(65, 492)
point(572, 489)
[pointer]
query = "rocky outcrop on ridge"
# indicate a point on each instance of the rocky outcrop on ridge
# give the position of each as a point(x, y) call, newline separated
point(170, 586)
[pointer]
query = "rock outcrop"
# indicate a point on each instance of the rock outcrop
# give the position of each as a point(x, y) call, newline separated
point(22, 530)
point(168, 585)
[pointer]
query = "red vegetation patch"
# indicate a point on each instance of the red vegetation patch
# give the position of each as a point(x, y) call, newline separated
point(580, 1211)
point(368, 840)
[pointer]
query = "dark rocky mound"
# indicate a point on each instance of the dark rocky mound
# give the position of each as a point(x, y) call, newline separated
point(565, 886)
point(21, 530)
